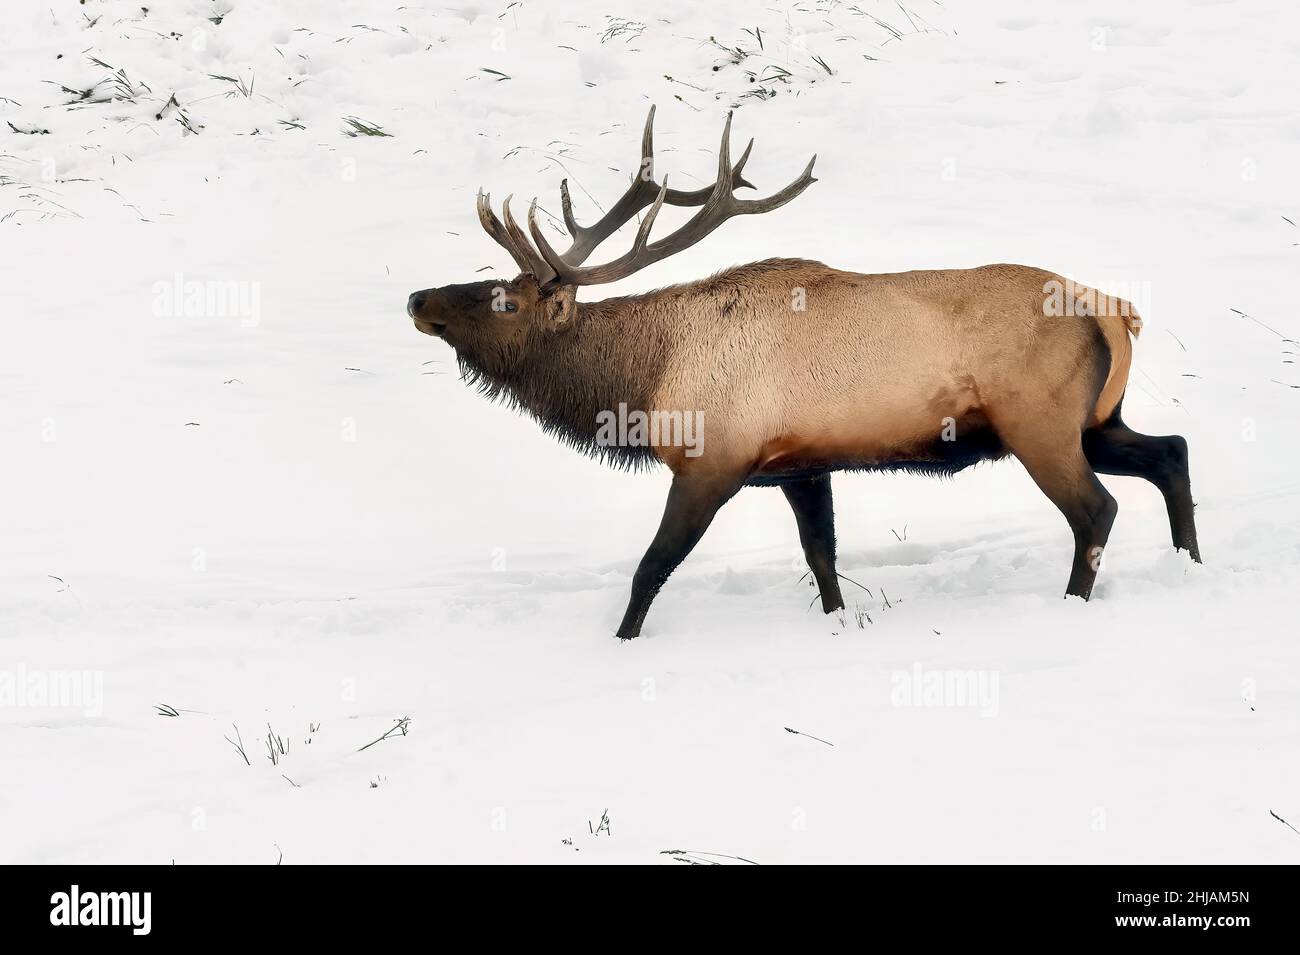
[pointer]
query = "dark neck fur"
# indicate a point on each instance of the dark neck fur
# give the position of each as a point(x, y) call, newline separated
point(615, 352)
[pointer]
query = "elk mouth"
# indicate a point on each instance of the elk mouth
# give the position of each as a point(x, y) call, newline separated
point(431, 328)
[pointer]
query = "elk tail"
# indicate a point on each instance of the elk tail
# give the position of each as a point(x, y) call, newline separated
point(1119, 324)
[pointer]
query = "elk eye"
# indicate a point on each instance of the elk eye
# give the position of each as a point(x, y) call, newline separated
point(509, 307)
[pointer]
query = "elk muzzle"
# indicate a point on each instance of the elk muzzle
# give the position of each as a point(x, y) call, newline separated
point(416, 307)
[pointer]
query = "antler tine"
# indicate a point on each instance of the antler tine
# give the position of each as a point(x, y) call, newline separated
point(548, 253)
point(738, 181)
point(537, 265)
point(566, 207)
point(724, 157)
point(733, 175)
point(512, 227)
point(492, 225)
point(777, 199)
point(647, 170)
point(643, 233)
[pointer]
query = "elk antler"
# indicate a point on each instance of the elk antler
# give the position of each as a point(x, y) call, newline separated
point(717, 200)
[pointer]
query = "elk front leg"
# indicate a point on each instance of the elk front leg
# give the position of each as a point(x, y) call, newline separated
point(692, 502)
point(810, 500)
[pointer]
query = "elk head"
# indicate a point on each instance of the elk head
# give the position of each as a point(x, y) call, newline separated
point(492, 321)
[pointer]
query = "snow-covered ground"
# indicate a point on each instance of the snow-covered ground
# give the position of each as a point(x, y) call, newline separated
point(284, 509)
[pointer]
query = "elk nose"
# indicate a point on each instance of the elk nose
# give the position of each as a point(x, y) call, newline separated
point(415, 303)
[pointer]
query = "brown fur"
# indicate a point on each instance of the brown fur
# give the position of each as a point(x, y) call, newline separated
point(870, 370)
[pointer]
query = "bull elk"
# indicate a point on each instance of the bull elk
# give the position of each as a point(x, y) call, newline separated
point(798, 370)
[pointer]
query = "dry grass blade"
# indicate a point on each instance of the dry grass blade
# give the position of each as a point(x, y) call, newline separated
point(696, 857)
point(239, 745)
point(359, 127)
point(398, 727)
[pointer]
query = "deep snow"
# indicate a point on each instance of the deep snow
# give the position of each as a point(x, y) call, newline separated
point(294, 514)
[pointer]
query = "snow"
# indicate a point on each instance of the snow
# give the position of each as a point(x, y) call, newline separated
point(284, 509)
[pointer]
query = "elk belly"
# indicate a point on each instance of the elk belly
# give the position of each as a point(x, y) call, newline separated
point(948, 444)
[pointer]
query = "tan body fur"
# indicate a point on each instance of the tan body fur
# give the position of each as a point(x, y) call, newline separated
point(872, 367)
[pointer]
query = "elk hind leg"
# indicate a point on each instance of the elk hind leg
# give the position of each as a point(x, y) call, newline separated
point(1114, 448)
point(810, 499)
point(1061, 471)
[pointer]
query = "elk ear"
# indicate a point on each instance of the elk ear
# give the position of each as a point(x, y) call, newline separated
point(560, 305)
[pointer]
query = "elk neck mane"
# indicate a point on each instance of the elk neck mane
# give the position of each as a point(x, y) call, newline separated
point(617, 351)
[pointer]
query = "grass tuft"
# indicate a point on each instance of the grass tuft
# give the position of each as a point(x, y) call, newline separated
point(358, 127)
